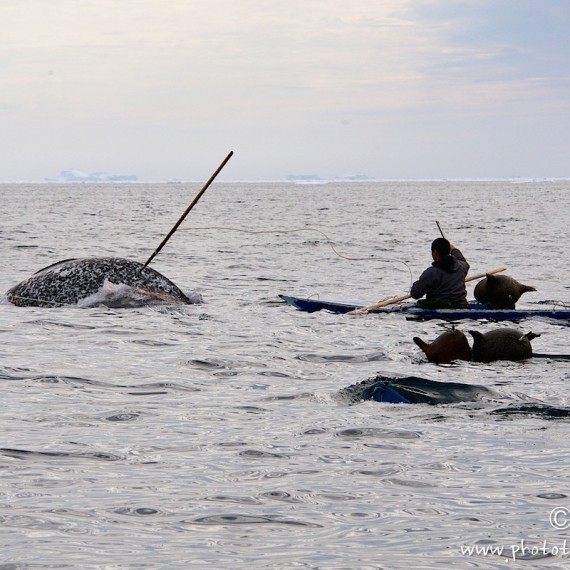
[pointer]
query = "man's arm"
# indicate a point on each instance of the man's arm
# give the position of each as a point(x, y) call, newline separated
point(423, 284)
point(459, 256)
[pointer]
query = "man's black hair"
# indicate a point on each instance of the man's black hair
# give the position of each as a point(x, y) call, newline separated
point(442, 246)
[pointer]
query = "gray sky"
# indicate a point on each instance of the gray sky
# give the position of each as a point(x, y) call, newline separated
point(386, 88)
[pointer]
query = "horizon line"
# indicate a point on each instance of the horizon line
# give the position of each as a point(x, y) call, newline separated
point(301, 181)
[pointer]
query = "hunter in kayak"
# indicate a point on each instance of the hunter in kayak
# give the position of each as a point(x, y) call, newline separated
point(443, 283)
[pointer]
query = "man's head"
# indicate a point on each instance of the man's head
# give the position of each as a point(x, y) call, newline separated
point(440, 247)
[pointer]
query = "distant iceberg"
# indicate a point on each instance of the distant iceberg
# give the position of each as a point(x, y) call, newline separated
point(79, 176)
point(316, 179)
point(356, 178)
point(305, 178)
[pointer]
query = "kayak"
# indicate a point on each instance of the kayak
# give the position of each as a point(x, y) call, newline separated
point(473, 310)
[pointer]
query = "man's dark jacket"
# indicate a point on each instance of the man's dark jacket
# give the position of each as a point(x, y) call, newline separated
point(443, 282)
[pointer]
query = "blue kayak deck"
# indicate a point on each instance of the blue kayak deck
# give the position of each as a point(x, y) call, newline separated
point(472, 311)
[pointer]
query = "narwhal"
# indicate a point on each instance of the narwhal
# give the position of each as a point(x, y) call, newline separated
point(71, 281)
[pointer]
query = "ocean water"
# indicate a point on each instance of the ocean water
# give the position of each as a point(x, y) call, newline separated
point(213, 435)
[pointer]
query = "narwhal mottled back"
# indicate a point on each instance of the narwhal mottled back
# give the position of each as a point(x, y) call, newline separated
point(72, 280)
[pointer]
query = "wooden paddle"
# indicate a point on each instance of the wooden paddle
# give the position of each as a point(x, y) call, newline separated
point(393, 300)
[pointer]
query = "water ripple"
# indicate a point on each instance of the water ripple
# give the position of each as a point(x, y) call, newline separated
point(123, 417)
point(137, 511)
point(359, 433)
point(383, 472)
point(256, 454)
point(27, 454)
point(552, 496)
point(373, 357)
point(239, 519)
point(231, 499)
point(282, 496)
